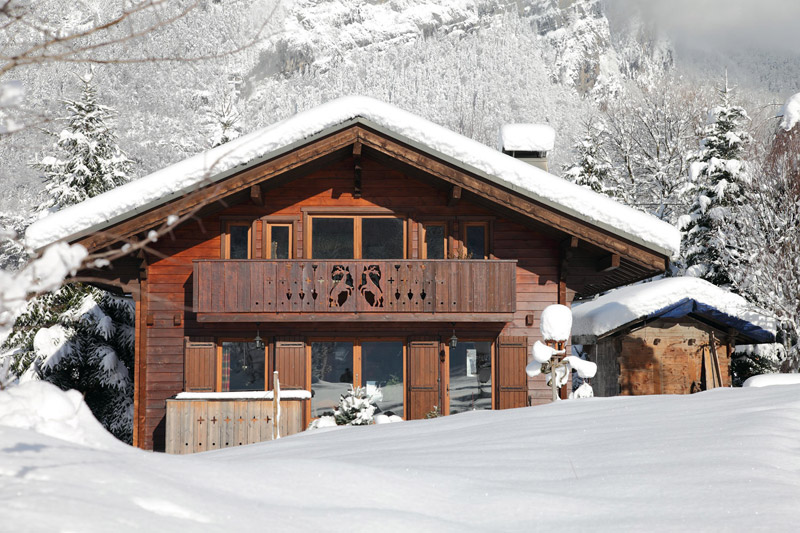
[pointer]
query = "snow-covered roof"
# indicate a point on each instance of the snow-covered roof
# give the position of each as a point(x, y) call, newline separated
point(791, 112)
point(221, 162)
point(668, 298)
point(527, 137)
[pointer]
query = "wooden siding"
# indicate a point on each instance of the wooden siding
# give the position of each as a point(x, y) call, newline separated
point(169, 296)
point(202, 425)
point(423, 378)
point(257, 290)
point(665, 357)
point(512, 355)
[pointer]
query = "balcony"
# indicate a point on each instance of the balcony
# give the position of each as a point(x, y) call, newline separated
point(253, 290)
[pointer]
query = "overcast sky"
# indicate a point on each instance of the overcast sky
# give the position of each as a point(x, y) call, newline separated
point(721, 24)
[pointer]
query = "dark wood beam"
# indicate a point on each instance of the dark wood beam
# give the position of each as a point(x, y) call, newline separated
point(455, 196)
point(256, 195)
point(608, 263)
point(357, 169)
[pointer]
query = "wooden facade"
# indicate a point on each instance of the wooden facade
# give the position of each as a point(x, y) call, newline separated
point(665, 356)
point(245, 264)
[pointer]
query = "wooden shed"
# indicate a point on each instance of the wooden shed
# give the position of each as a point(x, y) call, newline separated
point(671, 336)
point(353, 240)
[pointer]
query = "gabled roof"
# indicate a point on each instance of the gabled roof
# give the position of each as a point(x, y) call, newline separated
point(669, 298)
point(217, 164)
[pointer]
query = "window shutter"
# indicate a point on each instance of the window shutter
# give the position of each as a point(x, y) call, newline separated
point(512, 385)
point(290, 362)
point(199, 364)
point(423, 378)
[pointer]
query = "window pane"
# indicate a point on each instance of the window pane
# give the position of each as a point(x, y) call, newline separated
point(382, 238)
point(382, 365)
point(470, 376)
point(476, 242)
point(332, 238)
point(331, 375)
point(434, 242)
point(242, 366)
point(279, 242)
point(239, 240)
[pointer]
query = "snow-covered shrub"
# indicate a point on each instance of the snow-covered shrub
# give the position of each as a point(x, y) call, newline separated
point(356, 408)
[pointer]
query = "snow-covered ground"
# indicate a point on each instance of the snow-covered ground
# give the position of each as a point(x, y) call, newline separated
point(727, 459)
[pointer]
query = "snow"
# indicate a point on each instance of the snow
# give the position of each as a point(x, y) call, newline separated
point(791, 112)
point(527, 137)
point(542, 353)
point(584, 369)
point(285, 394)
point(722, 459)
point(767, 380)
point(556, 322)
point(606, 313)
point(47, 410)
point(220, 162)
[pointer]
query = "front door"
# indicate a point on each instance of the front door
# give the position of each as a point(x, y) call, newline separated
point(423, 378)
point(470, 376)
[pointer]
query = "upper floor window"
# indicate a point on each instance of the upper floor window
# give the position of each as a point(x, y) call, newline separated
point(236, 237)
point(358, 237)
point(476, 238)
point(434, 237)
point(278, 239)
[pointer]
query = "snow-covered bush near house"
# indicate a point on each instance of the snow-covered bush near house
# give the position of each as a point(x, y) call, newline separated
point(704, 462)
point(584, 390)
point(356, 408)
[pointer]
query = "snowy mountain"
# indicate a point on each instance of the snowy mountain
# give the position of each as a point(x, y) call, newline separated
point(468, 65)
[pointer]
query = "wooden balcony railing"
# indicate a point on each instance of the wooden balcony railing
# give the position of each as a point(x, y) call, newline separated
point(407, 289)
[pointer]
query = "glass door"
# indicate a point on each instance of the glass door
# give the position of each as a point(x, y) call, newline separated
point(382, 370)
point(331, 374)
point(470, 384)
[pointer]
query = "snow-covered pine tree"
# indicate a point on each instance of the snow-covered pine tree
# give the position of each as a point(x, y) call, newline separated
point(593, 170)
point(81, 337)
point(717, 178)
point(88, 161)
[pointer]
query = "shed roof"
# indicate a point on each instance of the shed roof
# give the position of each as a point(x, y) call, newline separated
point(669, 298)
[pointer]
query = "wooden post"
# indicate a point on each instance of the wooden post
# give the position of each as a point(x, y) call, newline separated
point(276, 406)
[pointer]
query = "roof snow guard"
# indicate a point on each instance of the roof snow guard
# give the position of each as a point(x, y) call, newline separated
point(669, 298)
point(163, 186)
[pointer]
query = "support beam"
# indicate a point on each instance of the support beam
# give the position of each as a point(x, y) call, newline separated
point(608, 263)
point(455, 196)
point(357, 169)
point(256, 195)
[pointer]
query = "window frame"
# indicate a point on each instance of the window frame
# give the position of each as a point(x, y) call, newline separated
point(424, 237)
point(358, 376)
point(493, 348)
point(219, 342)
point(266, 229)
point(225, 240)
point(486, 247)
point(357, 218)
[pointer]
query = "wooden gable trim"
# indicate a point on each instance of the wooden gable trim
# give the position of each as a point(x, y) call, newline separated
point(385, 150)
point(391, 152)
point(319, 153)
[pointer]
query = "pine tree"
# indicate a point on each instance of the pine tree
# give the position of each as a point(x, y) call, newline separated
point(717, 176)
point(89, 161)
point(593, 169)
point(81, 337)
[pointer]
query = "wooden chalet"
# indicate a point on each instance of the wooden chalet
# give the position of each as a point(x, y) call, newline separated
point(671, 336)
point(362, 246)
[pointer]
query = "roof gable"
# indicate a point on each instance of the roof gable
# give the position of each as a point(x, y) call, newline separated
point(173, 183)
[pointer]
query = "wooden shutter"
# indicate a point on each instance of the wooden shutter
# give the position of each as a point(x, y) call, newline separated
point(199, 364)
point(290, 362)
point(423, 378)
point(512, 385)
